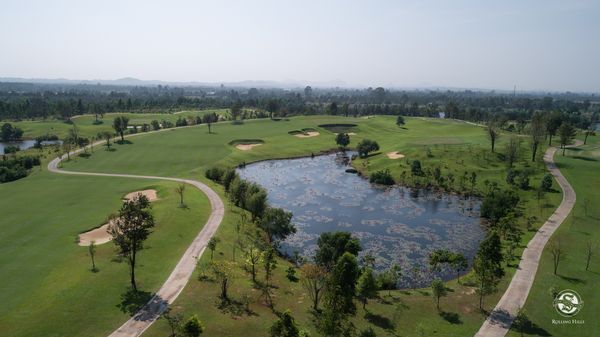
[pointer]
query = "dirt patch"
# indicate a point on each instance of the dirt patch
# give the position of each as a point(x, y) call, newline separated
point(100, 235)
point(395, 155)
point(307, 134)
point(246, 147)
point(150, 194)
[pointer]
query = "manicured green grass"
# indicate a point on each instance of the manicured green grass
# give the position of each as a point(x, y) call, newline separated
point(581, 167)
point(87, 128)
point(454, 146)
point(47, 288)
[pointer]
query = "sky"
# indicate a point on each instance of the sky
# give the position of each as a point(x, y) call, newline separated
point(535, 45)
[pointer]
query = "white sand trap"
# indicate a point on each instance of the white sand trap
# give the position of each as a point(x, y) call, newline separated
point(307, 134)
point(100, 235)
point(246, 147)
point(150, 194)
point(394, 155)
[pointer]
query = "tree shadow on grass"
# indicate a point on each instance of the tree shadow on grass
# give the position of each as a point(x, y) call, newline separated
point(124, 142)
point(380, 321)
point(573, 280)
point(451, 317)
point(132, 301)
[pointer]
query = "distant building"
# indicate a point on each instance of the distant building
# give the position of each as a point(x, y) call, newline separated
point(442, 114)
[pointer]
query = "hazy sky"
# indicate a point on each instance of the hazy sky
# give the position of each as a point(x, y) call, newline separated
point(552, 45)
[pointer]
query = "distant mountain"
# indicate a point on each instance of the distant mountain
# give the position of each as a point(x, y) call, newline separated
point(131, 81)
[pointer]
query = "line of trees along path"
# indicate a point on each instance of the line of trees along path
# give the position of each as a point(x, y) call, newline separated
point(182, 273)
point(499, 321)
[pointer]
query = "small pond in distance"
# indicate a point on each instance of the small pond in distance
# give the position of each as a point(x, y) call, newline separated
point(394, 224)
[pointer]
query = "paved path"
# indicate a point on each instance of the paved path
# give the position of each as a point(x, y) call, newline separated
point(500, 320)
point(180, 276)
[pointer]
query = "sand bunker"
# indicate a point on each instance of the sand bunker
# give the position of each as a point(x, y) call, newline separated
point(100, 235)
point(307, 134)
point(150, 194)
point(246, 147)
point(394, 155)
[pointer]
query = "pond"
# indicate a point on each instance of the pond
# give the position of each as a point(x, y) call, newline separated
point(25, 144)
point(394, 224)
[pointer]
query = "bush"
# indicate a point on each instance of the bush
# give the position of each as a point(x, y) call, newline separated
point(497, 204)
point(416, 169)
point(382, 177)
point(523, 181)
point(16, 168)
point(546, 184)
point(510, 176)
point(365, 146)
point(214, 174)
point(11, 149)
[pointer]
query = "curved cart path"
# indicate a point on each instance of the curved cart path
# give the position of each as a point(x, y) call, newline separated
point(501, 318)
point(180, 276)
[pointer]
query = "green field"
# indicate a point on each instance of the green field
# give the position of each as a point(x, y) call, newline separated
point(66, 208)
point(47, 286)
point(581, 167)
point(87, 128)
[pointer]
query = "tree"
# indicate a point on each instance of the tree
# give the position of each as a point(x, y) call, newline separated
point(493, 133)
point(342, 139)
point(131, 228)
point(338, 300)
point(253, 255)
point(256, 204)
point(10, 133)
point(332, 245)
point(269, 263)
point(552, 124)
point(272, 107)
point(558, 254)
point(546, 184)
point(459, 263)
point(179, 190)
point(389, 279)
point(537, 132)
point(511, 151)
point(590, 251)
point(366, 286)
point(120, 125)
point(284, 326)
point(92, 251)
point(314, 279)
point(210, 118)
point(399, 120)
point(236, 109)
point(106, 136)
point(193, 327)
point(496, 204)
point(223, 271)
point(277, 223)
point(155, 125)
point(212, 245)
point(174, 321)
point(365, 146)
point(567, 133)
point(343, 280)
point(439, 290)
point(488, 266)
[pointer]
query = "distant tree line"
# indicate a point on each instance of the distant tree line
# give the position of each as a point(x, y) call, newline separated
point(29, 100)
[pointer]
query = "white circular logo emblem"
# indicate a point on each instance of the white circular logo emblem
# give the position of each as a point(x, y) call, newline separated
point(568, 303)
